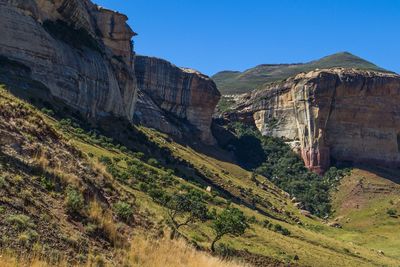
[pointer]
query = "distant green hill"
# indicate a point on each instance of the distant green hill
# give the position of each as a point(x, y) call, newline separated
point(234, 82)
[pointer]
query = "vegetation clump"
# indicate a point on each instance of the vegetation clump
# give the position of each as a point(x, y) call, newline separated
point(274, 159)
point(74, 201)
point(124, 211)
point(183, 209)
point(231, 221)
point(392, 212)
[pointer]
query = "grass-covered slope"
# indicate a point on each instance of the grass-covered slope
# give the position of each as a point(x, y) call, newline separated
point(234, 82)
point(70, 193)
point(367, 203)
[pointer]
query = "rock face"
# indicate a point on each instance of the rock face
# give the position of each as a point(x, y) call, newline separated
point(169, 92)
point(339, 114)
point(83, 55)
point(81, 52)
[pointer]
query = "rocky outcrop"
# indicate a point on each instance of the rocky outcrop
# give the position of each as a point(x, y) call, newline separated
point(170, 95)
point(340, 114)
point(82, 53)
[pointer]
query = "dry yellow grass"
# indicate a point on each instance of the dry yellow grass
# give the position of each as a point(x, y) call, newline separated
point(143, 253)
point(104, 220)
point(41, 160)
point(171, 253)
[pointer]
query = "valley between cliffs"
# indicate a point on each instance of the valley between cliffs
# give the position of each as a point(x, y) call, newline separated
point(106, 155)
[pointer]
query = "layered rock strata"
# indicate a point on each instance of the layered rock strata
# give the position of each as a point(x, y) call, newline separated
point(83, 55)
point(171, 92)
point(81, 52)
point(334, 114)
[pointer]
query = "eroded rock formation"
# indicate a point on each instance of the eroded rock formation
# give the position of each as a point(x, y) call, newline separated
point(168, 91)
point(82, 53)
point(341, 114)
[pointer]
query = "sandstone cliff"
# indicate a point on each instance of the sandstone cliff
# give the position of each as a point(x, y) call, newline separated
point(339, 114)
point(82, 53)
point(170, 94)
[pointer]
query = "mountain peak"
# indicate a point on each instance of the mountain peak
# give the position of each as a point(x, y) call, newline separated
point(241, 82)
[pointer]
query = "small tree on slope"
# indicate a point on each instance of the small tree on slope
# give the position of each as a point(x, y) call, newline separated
point(184, 209)
point(231, 221)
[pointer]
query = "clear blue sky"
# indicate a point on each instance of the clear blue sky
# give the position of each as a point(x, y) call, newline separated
point(216, 35)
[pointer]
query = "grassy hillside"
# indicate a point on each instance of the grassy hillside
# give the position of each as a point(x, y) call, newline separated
point(71, 193)
point(367, 203)
point(234, 82)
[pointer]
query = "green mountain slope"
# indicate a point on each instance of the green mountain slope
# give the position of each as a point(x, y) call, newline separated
point(69, 192)
point(234, 82)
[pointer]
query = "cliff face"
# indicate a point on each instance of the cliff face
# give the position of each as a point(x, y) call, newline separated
point(84, 56)
point(79, 51)
point(169, 91)
point(341, 114)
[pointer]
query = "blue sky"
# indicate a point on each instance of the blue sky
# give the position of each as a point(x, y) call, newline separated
point(216, 35)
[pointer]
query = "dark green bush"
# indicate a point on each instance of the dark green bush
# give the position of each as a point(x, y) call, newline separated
point(46, 183)
point(231, 221)
point(153, 162)
point(124, 211)
point(47, 111)
point(105, 160)
point(280, 229)
point(392, 212)
point(74, 201)
point(2, 182)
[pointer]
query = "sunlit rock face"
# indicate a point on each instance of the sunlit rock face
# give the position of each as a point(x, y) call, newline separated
point(334, 114)
point(82, 53)
point(175, 93)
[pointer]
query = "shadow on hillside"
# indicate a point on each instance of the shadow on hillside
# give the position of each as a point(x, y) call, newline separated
point(390, 173)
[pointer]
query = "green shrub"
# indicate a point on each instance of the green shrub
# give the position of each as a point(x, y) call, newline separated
point(47, 111)
point(28, 237)
point(2, 182)
point(392, 212)
point(144, 187)
point(46, 183)
point(74, 201)
point(280, 229)
point(124, 211)
point(20, 221)
point(153, 162)
point(158, 195)
point(105, 160)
